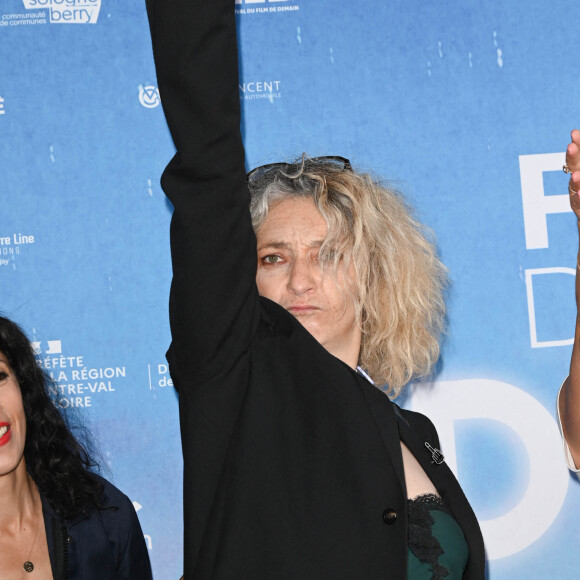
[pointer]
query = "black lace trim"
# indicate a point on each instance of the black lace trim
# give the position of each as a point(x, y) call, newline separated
point(421, 541)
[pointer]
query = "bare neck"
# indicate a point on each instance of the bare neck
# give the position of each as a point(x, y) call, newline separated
point(19, 498)
point(348, 353)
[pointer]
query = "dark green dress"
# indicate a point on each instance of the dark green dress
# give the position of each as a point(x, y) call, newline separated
point(437, 546)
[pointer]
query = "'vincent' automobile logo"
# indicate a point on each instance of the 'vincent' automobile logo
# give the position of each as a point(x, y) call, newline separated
point(149, 96)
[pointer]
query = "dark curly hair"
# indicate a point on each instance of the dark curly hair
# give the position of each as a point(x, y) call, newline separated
point(57, 462)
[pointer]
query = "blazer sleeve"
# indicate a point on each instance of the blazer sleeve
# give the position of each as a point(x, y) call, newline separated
point(214, 304)
point(134, 561)
point(115, 531)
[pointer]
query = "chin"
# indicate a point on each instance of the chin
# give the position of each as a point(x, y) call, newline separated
point(312, 329)
point(318, 335)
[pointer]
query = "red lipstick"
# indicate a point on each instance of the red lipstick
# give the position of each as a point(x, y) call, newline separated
point(6, 437)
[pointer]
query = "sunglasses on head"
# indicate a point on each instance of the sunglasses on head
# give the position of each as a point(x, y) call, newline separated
point(334, 161)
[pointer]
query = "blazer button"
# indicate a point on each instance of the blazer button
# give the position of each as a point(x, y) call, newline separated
point(389, 516)
point(69, 539)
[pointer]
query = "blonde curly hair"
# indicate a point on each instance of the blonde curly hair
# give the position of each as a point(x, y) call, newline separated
point(399, 279)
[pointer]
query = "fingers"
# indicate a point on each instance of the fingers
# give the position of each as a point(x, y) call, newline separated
point(573, 152)
point(573, 164)
point(574, 191)
point(574, 184)
point(573, 156)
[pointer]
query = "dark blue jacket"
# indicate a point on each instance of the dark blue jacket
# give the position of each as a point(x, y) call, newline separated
point(106, 545)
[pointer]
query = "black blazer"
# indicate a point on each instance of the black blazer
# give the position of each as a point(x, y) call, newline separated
point(106, 544)
point(293, 466)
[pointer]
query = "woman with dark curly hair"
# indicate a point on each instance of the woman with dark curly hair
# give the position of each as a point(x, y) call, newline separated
point(59, 519)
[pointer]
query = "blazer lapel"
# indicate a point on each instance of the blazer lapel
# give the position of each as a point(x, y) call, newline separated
point(448, 487)
point(438, 473)
point(394, 428)
point(382, 411)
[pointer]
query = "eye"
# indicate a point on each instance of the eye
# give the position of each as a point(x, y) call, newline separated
point(3, 375)
point(272, 259)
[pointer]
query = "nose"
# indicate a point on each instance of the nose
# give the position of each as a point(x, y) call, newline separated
point(303, 276)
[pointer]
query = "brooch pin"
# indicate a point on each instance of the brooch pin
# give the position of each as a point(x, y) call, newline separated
point(436, 455)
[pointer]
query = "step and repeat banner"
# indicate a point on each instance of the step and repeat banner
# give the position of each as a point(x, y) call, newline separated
point(464, 106)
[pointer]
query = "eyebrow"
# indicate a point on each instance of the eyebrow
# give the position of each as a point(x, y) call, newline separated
point(286, 245)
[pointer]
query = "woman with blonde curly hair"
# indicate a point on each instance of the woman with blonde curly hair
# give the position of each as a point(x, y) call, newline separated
point(398, 284)
point(296, 466)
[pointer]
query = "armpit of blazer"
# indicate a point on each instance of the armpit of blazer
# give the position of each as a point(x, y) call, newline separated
point(108, 544)
point(292, 460)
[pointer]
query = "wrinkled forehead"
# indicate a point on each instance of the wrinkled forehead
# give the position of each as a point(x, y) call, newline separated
point(294, 219)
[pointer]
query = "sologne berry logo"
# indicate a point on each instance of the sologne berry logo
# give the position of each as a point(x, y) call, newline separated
point(67, 11)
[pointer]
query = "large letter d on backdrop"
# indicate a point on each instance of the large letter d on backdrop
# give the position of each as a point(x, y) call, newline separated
point(542, 499)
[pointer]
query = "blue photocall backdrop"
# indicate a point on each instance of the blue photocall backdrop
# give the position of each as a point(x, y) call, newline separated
point(465, 106)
